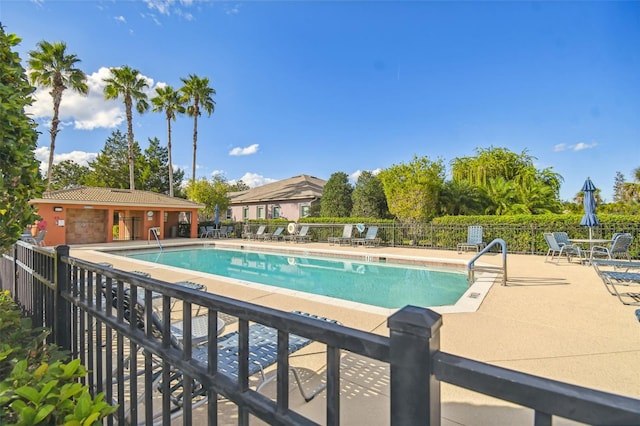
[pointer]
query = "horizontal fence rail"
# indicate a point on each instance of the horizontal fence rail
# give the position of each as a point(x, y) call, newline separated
point(120, 325)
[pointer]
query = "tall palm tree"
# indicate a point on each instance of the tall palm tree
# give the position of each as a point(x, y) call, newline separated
point(127, 83)
point(169, 101)
point(53, 68)
point(197, 93)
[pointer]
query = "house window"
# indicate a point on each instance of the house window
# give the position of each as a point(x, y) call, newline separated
point(229, 213)
point(260, 212)
point(245, 213)
point(276, 212)
point(304, 211)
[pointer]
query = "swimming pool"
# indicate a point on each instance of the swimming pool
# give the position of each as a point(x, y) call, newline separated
point(384, 285)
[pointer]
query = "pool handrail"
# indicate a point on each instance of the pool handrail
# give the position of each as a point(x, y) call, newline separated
point(471, 264)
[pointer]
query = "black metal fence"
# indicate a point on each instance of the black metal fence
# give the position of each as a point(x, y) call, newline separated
point(131, 352)
point(520, 239)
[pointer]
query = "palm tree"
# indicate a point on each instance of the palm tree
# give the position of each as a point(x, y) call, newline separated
point(53, 68)
point(197, 93)
point(169, 101)
point(127, 83)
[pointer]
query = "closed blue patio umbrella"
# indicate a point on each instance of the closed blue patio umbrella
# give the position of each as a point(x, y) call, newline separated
point(589, 201)
point(216, 215)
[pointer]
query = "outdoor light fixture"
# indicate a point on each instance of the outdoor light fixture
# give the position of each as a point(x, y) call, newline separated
point(57, 209)
point(150, 214)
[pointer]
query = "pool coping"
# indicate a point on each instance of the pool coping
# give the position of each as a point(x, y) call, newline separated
point(470, 300)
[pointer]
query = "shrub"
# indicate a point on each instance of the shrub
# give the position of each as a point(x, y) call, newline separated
point(36, 385)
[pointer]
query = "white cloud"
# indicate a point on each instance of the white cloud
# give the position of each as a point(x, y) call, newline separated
point(80, 157)
point(232, 10)
point(353, 177)
point(162, 6)
point(121, 19)
point(251, 149)
point(253, 180)
point(85, 112)
point(217, 173)
point(581, 146)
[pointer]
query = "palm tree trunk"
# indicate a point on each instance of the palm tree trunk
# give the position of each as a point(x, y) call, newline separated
point(55, 121)
point(132, 182)
point(169, 152)
point(195, 143)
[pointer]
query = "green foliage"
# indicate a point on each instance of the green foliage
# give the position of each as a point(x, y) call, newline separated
point(20, 179)
point(209, 193)
point(412, 189)
point(111, 168)
point(68, 174)
point(36, 386)
point(336, 196)
point(368, 197)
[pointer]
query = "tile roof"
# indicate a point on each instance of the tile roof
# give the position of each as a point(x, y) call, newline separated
point(112, 196)
point(295, 188)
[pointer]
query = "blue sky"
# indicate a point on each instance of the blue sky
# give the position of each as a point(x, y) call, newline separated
point(318, 87)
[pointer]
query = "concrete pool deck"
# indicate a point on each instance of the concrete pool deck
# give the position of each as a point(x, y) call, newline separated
point(551, 320)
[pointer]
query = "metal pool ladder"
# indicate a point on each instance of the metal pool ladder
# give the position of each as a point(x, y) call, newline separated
point(472, 267)
point(154, 231)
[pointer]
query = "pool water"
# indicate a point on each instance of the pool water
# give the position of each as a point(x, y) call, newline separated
point(379, 284)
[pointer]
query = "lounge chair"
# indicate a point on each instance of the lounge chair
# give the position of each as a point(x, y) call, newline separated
point(345, 238)
point(263, 353)
point(557, 249)
point(617, 282)
point(370, 238)
point(474, 239)
point(275, 235)
point(619, 248)
point(302, 236)
point(256, 235)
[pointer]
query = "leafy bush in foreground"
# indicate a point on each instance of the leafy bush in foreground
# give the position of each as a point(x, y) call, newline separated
point(36, 385)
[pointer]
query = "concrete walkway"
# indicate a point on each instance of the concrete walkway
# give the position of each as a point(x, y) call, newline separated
point(553, 320)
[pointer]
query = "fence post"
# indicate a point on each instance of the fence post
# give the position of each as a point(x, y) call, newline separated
point(415, 392)
point(62, 318)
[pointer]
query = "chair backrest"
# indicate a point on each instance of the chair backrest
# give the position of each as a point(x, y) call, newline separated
point(372, 232)
point(346, 232)
point(551, 241)
point(40, 236)
point(303, 231)
point(621, 243)
point(562, 238)
point(474, 234)
point(261, 229)
point(278, 230)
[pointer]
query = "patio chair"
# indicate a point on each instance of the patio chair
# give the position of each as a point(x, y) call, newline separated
point(557, 249)
point(562, 238)
point(302, 236)
point(202, 233)
point(619, 248)
point(345, 238)
point(263, 353)
point(225, 231)
point(474, 239)
point(370, 238)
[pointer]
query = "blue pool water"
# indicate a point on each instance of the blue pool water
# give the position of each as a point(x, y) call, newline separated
point(379, 284)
